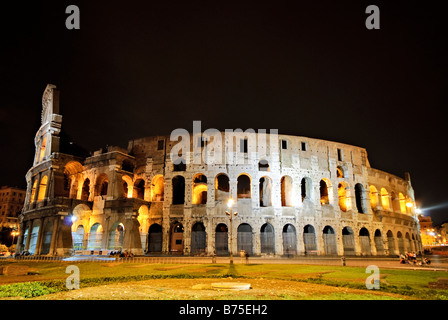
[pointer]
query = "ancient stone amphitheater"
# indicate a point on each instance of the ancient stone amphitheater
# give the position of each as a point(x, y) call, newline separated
point(300, 196)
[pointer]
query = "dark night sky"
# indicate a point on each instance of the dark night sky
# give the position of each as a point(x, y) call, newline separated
point(136, 69)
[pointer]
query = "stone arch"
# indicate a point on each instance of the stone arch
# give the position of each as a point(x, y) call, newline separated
point(155, 236)
point(330, 245)
point(344, 196)
point(222, 186)
point(324, 189)
point(33, 191)
point(72, 171)
point(340, 172)
point(244, 238)
point(198, 238)
point(42, 149)
point(244, 186)
point(379, 245)
point(267, 239)
point(158, 188)
point(385, 203)
point(178, 185)
point(306, 188)
point(128, 186)
point(78, 237)
point(116, 235)
point(95, 237)
point(42, 188)
point(364, 239)
point(289, 239)
point(85, 192)
point(143, 221)
point(102, 185)
point(177, 238)
point(265, 191)
point(309, 239)
point(402, 201)
point(221, 239)
point(34, 236)
point(348, 241)
point(360, 198)
point(400, 241)
point(286, 191)
point(139, 189)
point(199, 194)
point(391, 242)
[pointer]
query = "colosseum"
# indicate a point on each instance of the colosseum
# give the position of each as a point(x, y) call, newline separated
point(300, 196)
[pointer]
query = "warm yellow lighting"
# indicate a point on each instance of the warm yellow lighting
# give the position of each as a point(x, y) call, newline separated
point(230, 203)
point(409, 204)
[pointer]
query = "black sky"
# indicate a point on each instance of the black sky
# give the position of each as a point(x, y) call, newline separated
point(139, 68)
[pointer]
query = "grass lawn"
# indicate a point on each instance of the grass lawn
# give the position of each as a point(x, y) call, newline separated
point(193, 281)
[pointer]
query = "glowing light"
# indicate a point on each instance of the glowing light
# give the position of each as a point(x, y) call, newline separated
point(230, 203)
point(409, 204)
point(74, 218)
point(418, 211)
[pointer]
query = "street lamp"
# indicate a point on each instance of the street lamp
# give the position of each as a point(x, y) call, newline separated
point(231, 215)
point(14, 234)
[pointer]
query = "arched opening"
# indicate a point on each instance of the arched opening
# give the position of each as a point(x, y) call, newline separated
point(309, 239)
point(198, 238)
point(178, 184)
point(348, 240)
point(344, 198)
point(402, 201)
point(199, 195)
point(243, 187)
point(102, 184)
point(400, 240)
point(71, 171)
point(289, 240)
point(143, 221)
point(139, 189)
point(306, 187)
point(47, 234)
point(221, 239)
point(78, 238)
point(385, 199)
point(85, 192)
point(267, 239)
point(244, 238)
point(42, 189)
point(95, 237)
point(158, 189)
point(177, 238)
point(33, 237)
point(330, 245)
point(391, 243)
point(222, 187)
point(286, 191)
point(33, 192)
point(364, 239)
point(116, 236)
point(127, 187)
point(373, 193)
point(155, 238)
point(265, 192)
point(42, 149)
point(379, 245)
point(25, 237)
point(360, 198)
point(263, 165)
point(323, 188)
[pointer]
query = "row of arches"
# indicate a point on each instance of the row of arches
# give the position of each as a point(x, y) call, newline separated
point(325, 242)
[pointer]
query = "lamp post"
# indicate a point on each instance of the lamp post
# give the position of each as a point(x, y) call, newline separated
point(231, 215)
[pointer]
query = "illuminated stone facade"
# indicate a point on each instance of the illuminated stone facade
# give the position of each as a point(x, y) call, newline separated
point(310, 197)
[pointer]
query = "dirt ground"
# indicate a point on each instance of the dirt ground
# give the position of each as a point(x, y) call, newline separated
point(201, 289)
